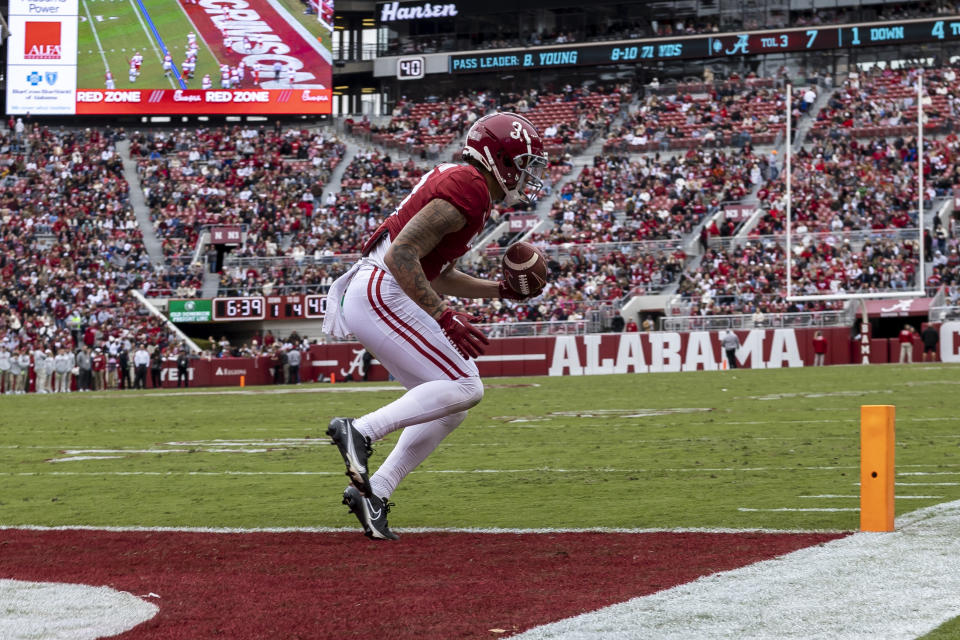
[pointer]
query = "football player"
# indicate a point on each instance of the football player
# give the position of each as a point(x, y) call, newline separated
point(392, 300)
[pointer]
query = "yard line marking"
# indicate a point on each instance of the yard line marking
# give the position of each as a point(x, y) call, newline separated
point(927, 484)
point(929, 473)
point(153, 45)
point(815, 592)
point(816, 509)
point(96, 36)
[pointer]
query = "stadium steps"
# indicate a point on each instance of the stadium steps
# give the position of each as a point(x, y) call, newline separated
point(352, 149)
point(139, 204)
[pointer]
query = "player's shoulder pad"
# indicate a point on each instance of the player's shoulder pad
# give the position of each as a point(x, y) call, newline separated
point(464, 187)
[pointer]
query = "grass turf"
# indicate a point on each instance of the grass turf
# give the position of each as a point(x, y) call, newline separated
point(949, 630)
point(569, 452)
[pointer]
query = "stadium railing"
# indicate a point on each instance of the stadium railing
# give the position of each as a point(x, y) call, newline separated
point(838, 318)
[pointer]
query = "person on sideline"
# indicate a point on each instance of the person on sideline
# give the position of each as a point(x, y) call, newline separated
point(819, 349)
point(141, 360)
point(730, 343)
point(393, 301)
point(906, 344)
point(930, 338)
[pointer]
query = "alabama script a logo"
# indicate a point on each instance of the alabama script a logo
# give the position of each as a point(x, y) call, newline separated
point(41, 41)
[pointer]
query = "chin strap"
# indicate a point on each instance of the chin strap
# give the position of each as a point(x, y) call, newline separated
point(509, 197)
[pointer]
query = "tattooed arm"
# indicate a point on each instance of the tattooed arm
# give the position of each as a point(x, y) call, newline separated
point(418, 237)
point(453, 282)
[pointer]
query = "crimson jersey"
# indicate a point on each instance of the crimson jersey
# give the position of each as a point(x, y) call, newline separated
point(462, 186)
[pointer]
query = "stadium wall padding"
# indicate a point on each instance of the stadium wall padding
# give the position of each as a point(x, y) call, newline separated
point(593, 354)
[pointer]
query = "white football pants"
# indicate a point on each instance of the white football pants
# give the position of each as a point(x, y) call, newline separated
point(441, 384)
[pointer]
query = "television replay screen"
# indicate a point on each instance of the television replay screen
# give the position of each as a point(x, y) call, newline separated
point(177, 57)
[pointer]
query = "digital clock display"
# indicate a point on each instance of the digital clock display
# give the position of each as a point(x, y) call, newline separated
point(713, 46)
point(239, 308)
point(316, 306)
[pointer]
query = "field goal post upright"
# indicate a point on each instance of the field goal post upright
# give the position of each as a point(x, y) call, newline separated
point(918, 289)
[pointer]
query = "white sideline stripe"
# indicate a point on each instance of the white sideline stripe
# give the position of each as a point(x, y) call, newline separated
point(814, 509)
point(326, 388)
point(519, 357)
point(828, 495)
point(437, 471)
point(489, 530)
point(895, 586)
point(84, 458)
point(61, 611)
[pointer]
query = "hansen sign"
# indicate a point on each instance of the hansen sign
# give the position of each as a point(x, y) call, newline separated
point(395, 12)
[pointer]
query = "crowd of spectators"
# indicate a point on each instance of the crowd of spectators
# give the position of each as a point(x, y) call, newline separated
point(850, 184)
point(734, 113)
point(752, 277)
point(883, 101)
point(70, 252)
point(268, 180)
point(651, 198)
point(424, 129)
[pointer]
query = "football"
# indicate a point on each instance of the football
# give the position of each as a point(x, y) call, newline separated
point(524, 268)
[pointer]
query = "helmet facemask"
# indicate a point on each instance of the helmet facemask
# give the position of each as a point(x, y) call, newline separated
point(531, 168)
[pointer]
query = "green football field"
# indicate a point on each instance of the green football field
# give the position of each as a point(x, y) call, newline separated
point(734, 449)
point(111, 31)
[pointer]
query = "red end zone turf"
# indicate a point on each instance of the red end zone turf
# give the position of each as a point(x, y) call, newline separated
point(432, 585)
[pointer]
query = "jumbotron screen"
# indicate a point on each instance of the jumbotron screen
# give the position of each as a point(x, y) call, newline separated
point(177, 57)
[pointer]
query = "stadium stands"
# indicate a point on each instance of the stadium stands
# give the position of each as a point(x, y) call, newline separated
point(266, 179)
point(70, 247)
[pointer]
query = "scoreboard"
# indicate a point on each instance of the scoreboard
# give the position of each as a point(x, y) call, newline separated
point(712, 46)
point(290, 307)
